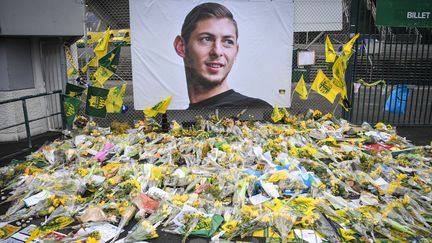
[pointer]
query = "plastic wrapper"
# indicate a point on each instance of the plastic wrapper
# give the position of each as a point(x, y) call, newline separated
point(314, 173)
point(145, 204)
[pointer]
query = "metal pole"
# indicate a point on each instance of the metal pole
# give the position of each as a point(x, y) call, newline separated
point(350, 72)
point(63, 115)
point(314, 40)
point(85, 41)
point(27, 125)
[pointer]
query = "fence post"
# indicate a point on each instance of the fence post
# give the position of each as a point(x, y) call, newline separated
point(63, 115)
point(350, 72)
point(27, 125)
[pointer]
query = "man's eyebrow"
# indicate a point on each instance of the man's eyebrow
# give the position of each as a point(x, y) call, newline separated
point(213, 35)
point(230, 36)
point(206, 33)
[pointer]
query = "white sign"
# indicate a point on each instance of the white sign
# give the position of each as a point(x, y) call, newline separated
point(305, 58)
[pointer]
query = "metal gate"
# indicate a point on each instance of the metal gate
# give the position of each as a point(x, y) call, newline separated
point(403, 58)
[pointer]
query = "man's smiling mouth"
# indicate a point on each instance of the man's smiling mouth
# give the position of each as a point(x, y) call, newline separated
point(215, 65)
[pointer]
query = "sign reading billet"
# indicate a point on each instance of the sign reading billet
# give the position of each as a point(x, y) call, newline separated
point(402, 13)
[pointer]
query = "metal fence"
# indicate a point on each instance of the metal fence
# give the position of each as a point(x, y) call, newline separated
point(115, 14)
point(400, 56)
point(27, 119)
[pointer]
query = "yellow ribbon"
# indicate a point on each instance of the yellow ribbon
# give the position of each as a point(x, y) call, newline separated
point(361, 81)
point(69, 57)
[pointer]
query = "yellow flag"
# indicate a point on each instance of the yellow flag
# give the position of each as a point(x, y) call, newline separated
point(160, 107)
point(97, 84)
point(301, 89)
point(114, 101)
point(347, 48)
point(323, 86)
point(285, 112)
point(92, 63)
point(329, 51)
point(343, 100)
point(339, 83)
point(338, 71)
point(276, 115)
point(101, 48)
point(102, 74)
point(71, 71)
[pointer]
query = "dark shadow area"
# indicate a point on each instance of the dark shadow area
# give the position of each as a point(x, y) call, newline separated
point(19, 149)
point(417, 135)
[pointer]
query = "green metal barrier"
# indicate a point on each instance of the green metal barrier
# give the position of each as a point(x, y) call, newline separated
point(26, 121)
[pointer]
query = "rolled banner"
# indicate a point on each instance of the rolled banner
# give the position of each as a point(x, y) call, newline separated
point(356, 87)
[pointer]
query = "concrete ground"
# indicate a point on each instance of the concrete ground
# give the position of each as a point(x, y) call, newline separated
point(20, 149)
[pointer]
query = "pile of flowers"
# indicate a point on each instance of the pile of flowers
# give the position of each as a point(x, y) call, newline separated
point(225, 178)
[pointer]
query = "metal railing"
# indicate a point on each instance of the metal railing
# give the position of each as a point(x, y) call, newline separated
point(400, 56)
point(27, 121)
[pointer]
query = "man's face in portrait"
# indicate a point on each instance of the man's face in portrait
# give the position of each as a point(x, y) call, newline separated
point(211, 51)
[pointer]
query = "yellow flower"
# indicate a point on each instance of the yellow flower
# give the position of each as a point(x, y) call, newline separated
point(309, 219)
point(317, 114)
point(274, 205)
point(377, 171)
point(347, 234)
point(281, 175)
point(179, 199)
point(34, 235)
point(306, 200)
point(290, 131)
point(226, 148)
point(156, 173)
point(57, 201)
point(309, 150)
point(402, 176)
point(249, 211)
point(136, 184)
point(294, 151)
point(389, 208)
point(80, 199)
point(196, 204)
point(230, 226)
point(109, 168)
point(406, 200)
point(319, 185)
point(51, 209)
point(380, 126)
point(265, 219)
point(303, 125)
point(327, 116)
point(92, 240)
point(38, 155)
point(393, 186)
point(403, 162)
point(30, 170)
point(82, 172)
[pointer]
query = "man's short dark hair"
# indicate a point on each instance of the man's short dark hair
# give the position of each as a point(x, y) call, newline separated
point(202, 12)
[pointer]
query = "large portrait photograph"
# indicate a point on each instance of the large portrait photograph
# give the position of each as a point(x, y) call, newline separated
point(210, 55)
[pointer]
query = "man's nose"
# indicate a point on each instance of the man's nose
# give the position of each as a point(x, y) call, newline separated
point(216, 49)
